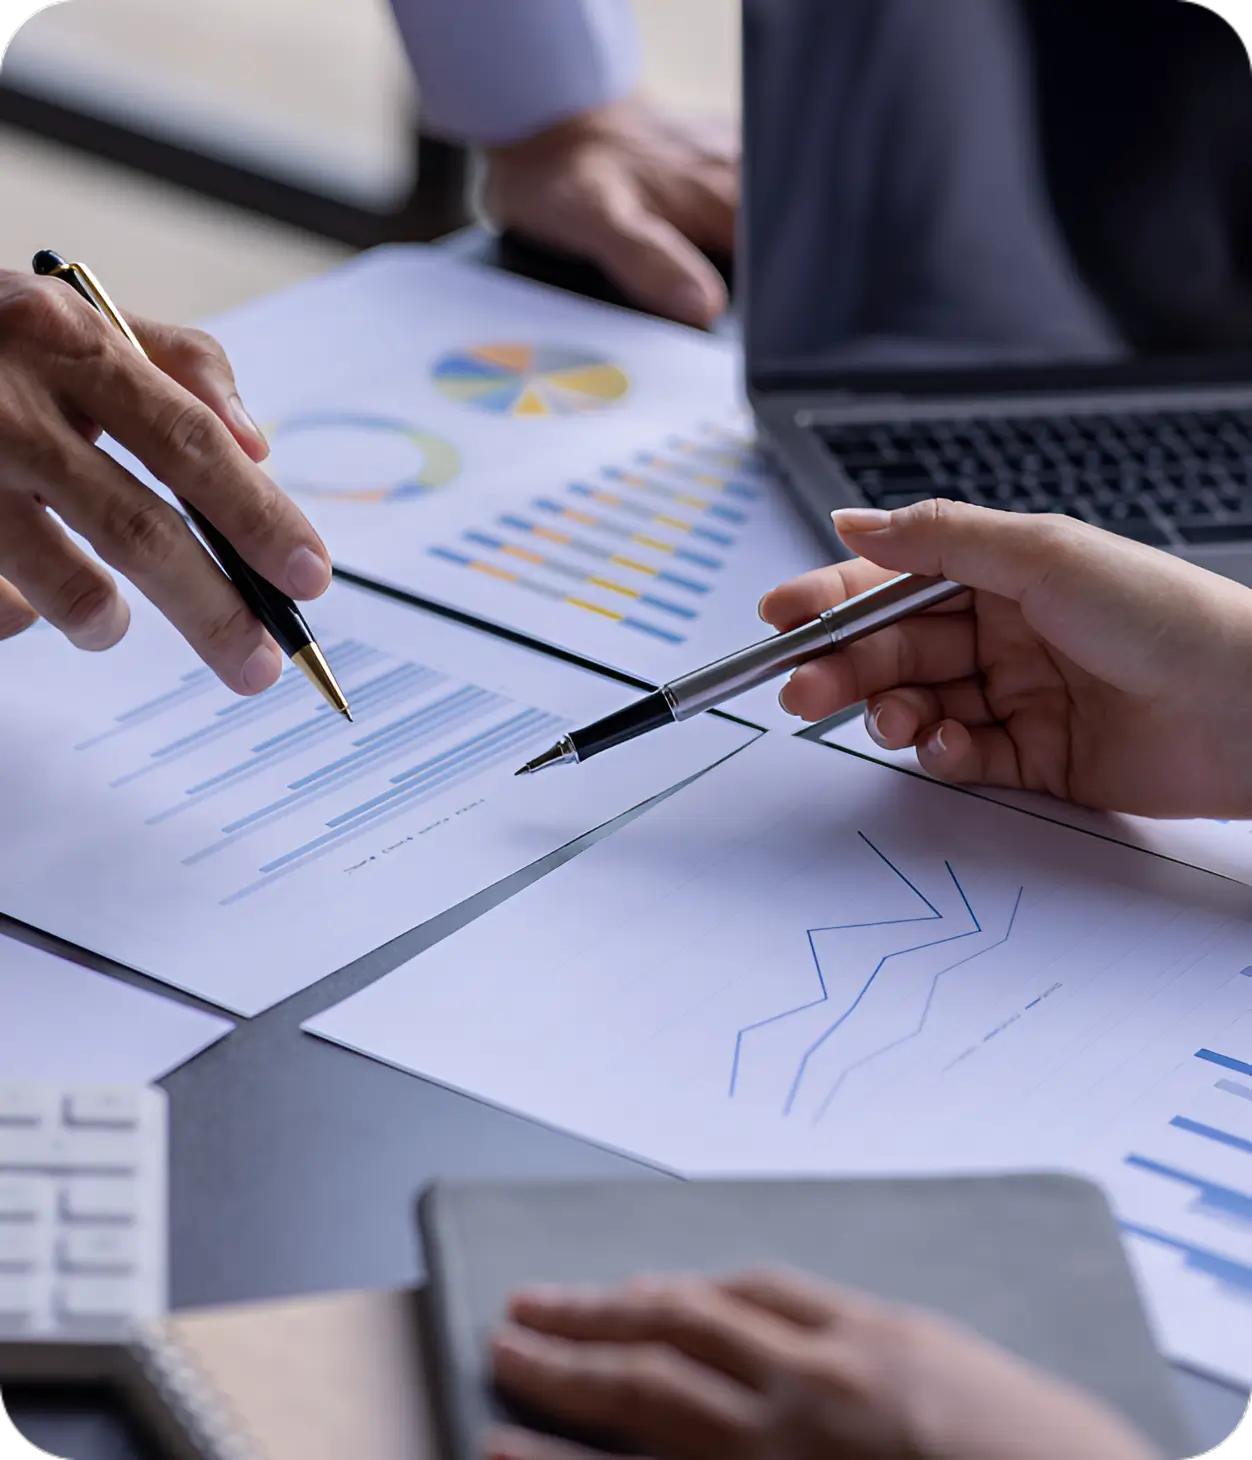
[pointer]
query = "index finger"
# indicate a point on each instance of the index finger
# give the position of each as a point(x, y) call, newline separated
point(187, 448)
point(803, 598)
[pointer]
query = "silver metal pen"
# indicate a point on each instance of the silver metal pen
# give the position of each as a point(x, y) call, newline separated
point(705, 689)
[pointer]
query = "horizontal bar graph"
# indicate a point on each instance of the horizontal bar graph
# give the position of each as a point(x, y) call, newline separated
point(266, 785)
point(412, 787)
point(641, 547)
point(1232, 1087)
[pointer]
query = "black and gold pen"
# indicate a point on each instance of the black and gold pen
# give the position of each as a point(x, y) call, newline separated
point(274, 609)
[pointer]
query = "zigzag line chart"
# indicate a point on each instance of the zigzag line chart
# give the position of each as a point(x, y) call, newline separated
point(970, 926)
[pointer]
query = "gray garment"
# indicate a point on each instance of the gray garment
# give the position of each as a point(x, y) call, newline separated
point(500, 70)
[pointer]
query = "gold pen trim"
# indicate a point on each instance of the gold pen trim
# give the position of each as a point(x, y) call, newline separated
point(319, 673)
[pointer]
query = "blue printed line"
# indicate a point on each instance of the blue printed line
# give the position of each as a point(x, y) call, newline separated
point(1235, 1275)
point(1211, 1133)
point(1224, 1061)
point(930, 999)
point(1213, 1197)
point(934, 916)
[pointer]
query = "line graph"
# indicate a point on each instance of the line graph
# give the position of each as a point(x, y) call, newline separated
point(883, 962)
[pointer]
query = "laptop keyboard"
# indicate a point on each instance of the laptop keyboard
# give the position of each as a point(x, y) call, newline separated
point(1172, 478)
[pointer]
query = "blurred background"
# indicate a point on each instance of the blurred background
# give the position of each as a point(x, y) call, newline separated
point(202, 152)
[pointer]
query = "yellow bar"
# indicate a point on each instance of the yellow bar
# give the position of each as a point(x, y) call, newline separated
point(595, 608)
point(549, 536)
point(494, 572)
point(526, 557)
point(613, 587)
point(652, 542)
point(637, 567)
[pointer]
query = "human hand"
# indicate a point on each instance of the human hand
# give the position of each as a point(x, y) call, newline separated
point(780, 1367)
point(1104, 672)
point(633, 192)
point(65, 375)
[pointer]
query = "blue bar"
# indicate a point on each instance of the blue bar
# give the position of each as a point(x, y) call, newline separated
point(664, 576)
point(1225, 1061)
point(1211, 1133)
point(482, 540)
point(1234, 1274)
point(1245, 972)
point(664, 606)
point(651, 629)
point(458, 558)
point(465, 748)
point(1232, 1087)
point(699, 560)
point(706, 534)
point(728, 514)
point(404, 675)
point(1213, 1196)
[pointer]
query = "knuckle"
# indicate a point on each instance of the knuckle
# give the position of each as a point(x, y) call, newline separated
point(47, 314)
point(199, 346)
point(220, 635)
point(143, 536)
point(190, 432)
point(644, 1372)
point(84, 597)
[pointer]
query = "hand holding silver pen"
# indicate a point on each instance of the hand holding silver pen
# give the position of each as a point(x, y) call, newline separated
point(716, 684)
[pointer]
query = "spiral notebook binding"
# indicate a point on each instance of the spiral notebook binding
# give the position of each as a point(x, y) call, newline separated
point(196, 1405)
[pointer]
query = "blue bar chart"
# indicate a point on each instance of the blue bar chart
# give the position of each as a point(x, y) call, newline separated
point(282, 780)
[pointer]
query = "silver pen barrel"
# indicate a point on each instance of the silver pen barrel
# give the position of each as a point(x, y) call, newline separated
point(706, 688)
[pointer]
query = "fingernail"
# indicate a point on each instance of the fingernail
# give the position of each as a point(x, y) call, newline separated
point(860, 519)
point(308, 573)
point(871, 724)
point(935, 742)
point(760, 610)
point(782, 701)
point(106, 628)
point(261, 668)
point(239, 414)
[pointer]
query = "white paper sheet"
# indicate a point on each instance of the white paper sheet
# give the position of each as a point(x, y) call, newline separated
point(613, 508)
point(808, 963)
point(1224, 847)
point(59, 1021)
point(242, 849)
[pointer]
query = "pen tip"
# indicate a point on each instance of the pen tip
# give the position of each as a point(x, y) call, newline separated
point(347, 714)
point(525, 771)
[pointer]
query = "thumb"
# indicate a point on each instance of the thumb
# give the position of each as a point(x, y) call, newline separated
point(199, 364)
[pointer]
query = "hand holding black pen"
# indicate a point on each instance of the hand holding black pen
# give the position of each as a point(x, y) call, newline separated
point(66, 374)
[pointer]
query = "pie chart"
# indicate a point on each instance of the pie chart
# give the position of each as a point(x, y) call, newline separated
point(351, 456)
point(530, 380)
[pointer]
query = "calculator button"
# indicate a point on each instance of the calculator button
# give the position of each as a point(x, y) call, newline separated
point(87, 1200)
point(95, 1250)
point(112, 1109)
point(19, 1248)
point(89, 1297)
point(23, 1198)
point(33, 1150)
point(22, 1105)
point(18, 1296)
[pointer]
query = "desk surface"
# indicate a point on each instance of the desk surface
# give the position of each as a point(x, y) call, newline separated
point(294, 1163)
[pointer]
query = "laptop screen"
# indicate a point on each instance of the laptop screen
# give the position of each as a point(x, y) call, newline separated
point(948, 194)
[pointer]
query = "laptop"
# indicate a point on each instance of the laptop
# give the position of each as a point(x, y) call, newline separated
point(1000, 251)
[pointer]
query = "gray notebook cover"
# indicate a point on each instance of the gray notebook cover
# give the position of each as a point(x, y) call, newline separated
point(1033, 1262)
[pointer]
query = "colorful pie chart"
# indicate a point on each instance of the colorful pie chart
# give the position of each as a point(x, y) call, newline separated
point(346, 456)
point(530, 380)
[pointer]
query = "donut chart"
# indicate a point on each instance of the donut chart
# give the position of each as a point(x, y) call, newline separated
point(345, 456)
point(530, 380)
